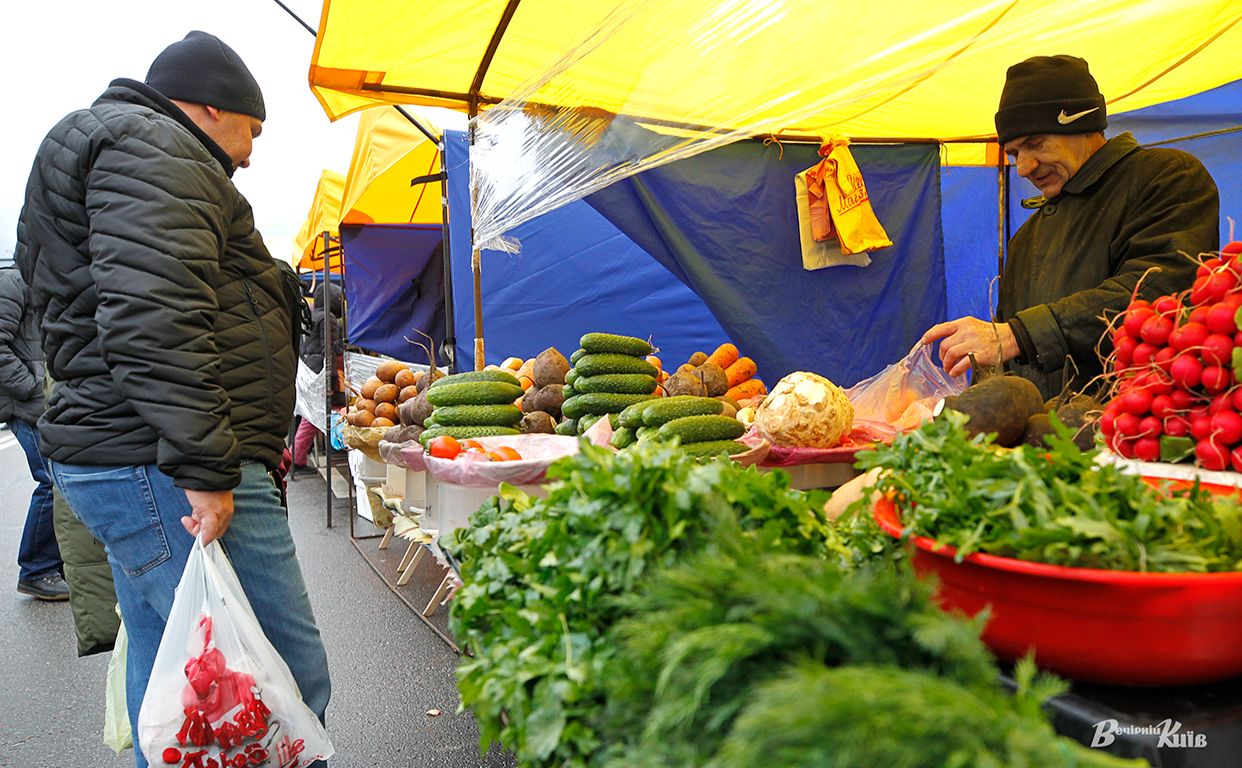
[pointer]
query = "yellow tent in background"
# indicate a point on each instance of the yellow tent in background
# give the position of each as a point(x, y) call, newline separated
point(389, 153)
point(885, 68)
point(324, 216)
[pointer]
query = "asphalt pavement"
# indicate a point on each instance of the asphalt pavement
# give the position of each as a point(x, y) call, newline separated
point(388, 668)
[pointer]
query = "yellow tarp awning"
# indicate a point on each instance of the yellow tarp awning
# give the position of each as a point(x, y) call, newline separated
point(885, 68)
point(389, 152)
point(324, 216)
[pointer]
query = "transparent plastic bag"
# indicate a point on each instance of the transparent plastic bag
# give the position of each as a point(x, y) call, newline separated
point(219, 693)
point(904, 394)
point(116, 730)
point(538, 451)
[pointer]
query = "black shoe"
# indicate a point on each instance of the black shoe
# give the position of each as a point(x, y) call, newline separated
point(51, 588)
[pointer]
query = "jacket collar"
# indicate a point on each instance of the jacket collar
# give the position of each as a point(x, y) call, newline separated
point(1098, 164)
point(141, 94)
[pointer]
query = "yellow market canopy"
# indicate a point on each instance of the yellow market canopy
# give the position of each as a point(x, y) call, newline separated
point(389, 153)
point(575, 95)
point(324, 216)
point(885, 68)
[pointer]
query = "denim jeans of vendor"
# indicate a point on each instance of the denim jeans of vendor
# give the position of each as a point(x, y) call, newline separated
point(136, 512)
point(38, 554)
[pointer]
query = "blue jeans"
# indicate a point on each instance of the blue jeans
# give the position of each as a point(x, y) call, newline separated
point(136, 512)
point(38, 554)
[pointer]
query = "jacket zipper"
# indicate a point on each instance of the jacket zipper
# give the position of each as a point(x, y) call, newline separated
point(267, 351)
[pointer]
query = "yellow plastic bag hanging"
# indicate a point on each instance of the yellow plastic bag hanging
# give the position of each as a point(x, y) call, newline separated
point(853, 219)
point(819, 252)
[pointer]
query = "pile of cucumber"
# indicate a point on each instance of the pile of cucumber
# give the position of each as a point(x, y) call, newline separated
point(609, 373)
point(697, 422)
point(473, 404)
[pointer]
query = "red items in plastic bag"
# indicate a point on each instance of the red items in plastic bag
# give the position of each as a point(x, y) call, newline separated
point(219, 695)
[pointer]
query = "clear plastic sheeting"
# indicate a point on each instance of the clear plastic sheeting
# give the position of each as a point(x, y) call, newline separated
point(657, 81)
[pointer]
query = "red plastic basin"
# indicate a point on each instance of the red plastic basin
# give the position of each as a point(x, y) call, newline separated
point(1116, 627)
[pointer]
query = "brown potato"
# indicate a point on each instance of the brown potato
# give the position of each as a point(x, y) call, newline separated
point(387, 370)
point(388, 393)
point(386, 411)
point(382, 422)
point(364, 419)
point(368, 389)
point(407, 393)
point(365, 405)
point(404, 378)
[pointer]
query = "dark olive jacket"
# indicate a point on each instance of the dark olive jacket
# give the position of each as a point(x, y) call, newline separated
point(166, 325)
point(1078, 258)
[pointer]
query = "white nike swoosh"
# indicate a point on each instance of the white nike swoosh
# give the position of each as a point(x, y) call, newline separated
point(1065, 119)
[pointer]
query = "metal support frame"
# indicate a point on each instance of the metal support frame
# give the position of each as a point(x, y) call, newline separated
point(329, 358)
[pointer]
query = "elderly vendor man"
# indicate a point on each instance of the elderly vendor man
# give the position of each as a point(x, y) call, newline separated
point(1109, 214)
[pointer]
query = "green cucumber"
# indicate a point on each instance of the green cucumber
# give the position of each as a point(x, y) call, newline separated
point(568, 427)
point(573, 359)
point(474, 376)
point(714, 447)
point(602, 363)
point(571, 377)
point(632, 416)
point(599, 402)
point(464, 433)
point(613, 343)
point(623, 438)
point(588, 421)
point(474, 393)
point(477, 415)
point(617, 383)
point(669, 408)
point(698, 429)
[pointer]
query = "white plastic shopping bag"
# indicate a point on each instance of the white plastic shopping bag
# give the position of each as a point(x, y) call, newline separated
point(116, 733)
point(219, 693)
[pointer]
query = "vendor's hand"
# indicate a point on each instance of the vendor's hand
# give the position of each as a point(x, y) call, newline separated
point(991, 343)
point(211, 512)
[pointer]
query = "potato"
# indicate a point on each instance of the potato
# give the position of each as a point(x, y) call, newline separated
point(404, 378)
point(407, 393)
point(380, 421)
point(363, 419)
point(386, 411)
point(388, 393)
point(363, 404)
point(387, 371)
point(369, 387)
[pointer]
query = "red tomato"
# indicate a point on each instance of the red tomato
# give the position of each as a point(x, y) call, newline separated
point(474, 446)
point(444, 447)
point(509, 453)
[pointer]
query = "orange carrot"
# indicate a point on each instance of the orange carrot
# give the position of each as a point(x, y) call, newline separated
point(740, 371)
point(724, 356)
point(748, 388)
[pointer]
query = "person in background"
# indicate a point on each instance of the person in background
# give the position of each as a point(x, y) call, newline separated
point(328, 299)
point(171, 337)
point(40, 568)
point(1110, 213)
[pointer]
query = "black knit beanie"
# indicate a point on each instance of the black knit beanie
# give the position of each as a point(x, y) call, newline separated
point(1049, 94)
point(201, 69)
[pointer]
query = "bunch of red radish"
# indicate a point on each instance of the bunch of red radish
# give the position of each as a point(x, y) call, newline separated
point(1177, 391)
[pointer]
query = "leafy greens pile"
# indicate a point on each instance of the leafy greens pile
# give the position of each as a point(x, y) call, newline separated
point(738, 658)
point(1055, 506)
point(541, 578)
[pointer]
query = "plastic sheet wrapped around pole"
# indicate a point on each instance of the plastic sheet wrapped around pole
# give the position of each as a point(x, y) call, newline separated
point(657, 81)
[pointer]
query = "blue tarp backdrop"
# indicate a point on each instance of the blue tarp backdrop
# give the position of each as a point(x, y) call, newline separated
point(576, 273)
point(394, 287)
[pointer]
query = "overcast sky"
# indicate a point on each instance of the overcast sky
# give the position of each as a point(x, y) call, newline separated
point(59, 55)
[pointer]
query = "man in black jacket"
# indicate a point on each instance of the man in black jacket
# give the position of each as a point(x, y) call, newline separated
point(168, 331)
point(21, 403)
point(1108, 213)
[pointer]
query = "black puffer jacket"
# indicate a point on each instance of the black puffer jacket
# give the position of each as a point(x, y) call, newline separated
point(312, 345)
point(1126, 211)
point(166, 324)
point(21, 361)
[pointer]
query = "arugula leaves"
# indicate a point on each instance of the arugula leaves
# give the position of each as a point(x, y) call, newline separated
point(1054, 506)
